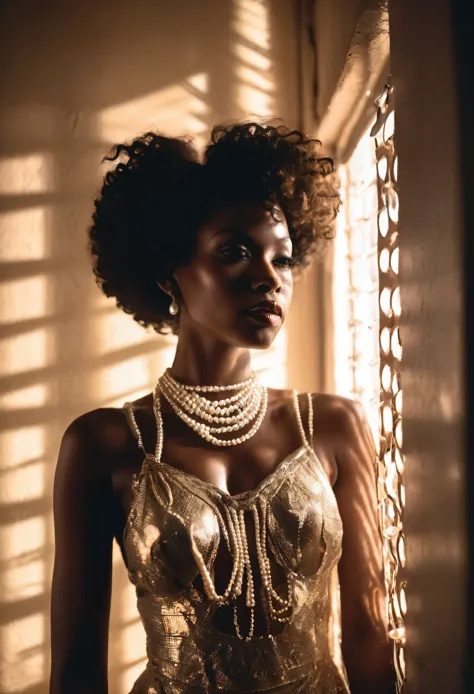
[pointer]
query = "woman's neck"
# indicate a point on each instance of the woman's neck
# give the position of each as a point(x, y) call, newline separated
point(206, 362)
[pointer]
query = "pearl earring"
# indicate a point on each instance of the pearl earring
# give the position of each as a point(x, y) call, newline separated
point(174, 308)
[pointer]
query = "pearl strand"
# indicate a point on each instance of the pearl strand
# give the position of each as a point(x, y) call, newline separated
point(214, 409)
point(243, 408)
point(275, 595)
point(299, 420)
point(234, 585)
point(212, 389)
point(205, 431)
point(234, 423)
point(265, 571)
point(250, 591)
point(190, 393)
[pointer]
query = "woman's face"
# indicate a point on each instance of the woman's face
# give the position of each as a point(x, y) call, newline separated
point(242, 259)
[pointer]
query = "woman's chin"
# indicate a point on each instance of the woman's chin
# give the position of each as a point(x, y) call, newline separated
point(261, 338)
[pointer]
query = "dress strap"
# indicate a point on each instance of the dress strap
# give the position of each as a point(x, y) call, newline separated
point(307, 440)
point(132, 423)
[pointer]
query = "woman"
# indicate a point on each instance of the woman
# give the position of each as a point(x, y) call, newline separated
point(228, 500)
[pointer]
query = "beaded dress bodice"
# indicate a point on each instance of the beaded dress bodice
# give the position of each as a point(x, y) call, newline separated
point(179, 524)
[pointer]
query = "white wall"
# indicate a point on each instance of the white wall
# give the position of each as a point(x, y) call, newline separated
point(75, 78)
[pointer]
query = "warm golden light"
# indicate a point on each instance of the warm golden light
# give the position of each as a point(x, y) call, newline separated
point(118, 331)
point(23, 483)
point(254, 85)
point(22, 654)
point(384, 260)
point(25, 174)
point(25, 355)
point(366, 336)
point(383, 221)
point(252, 57)
point(391, 488)
point(179, 109)
point(24, 398)
point(22, 234)
point(25, 352)
point(23, 299)
point(21, 445)
point(23, 537)
point(355, 285)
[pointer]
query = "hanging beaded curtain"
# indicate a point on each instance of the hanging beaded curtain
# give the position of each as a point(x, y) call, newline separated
point(391, 491)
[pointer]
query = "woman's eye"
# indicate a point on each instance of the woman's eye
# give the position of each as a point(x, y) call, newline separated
point(238, 252)
point(234, 252)
point(285, 261)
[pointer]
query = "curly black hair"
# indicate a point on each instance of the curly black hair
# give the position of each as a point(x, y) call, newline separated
point(157, 196)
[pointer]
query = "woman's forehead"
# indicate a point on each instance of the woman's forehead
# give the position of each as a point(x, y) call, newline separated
point(249, 218)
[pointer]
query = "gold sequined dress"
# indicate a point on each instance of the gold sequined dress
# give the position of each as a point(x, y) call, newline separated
point(177, 526)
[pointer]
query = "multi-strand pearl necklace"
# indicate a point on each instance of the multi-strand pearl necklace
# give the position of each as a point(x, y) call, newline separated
point(213, 420)
point(233, 413)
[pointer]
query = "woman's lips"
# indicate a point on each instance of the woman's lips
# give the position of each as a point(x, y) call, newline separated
point(263, 317)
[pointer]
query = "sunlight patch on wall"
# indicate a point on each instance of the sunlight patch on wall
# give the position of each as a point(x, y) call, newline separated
point(23, 537)
point(22, 541)
point(176, 110)
point(21, 651)
point(25, 174)
point(23, 579)
point(251, 57)
point(27, 352)
point(251, 22)
point(21, 445)
point(23, 483)
point(128, 376)
point(117, 330)
point(132, 378)
point(253, 78)
point(23, 299)
point(254, 89)
point(31, 396)
point(22, 234)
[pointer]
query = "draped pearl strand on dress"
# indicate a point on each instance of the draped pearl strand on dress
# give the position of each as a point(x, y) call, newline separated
point(230, 414)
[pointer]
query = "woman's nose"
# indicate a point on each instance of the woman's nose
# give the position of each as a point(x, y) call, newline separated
point(265, 278)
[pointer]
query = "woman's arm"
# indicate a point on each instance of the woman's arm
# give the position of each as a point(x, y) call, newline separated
point(365, 644)
point(83, 521)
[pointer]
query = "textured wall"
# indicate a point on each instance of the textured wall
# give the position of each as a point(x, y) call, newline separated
point(75, 78)
point(428, 141)
point(335, 25)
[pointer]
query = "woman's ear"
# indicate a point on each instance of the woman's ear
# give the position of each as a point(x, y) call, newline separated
point(165, 287)
point(170, 287)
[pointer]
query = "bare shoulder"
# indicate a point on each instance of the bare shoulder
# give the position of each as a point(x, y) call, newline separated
point(343, 415)
point(348, 433)
point(341, 428)
point(94, 439)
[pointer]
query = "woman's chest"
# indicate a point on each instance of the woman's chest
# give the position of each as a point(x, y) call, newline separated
point(181, 527)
